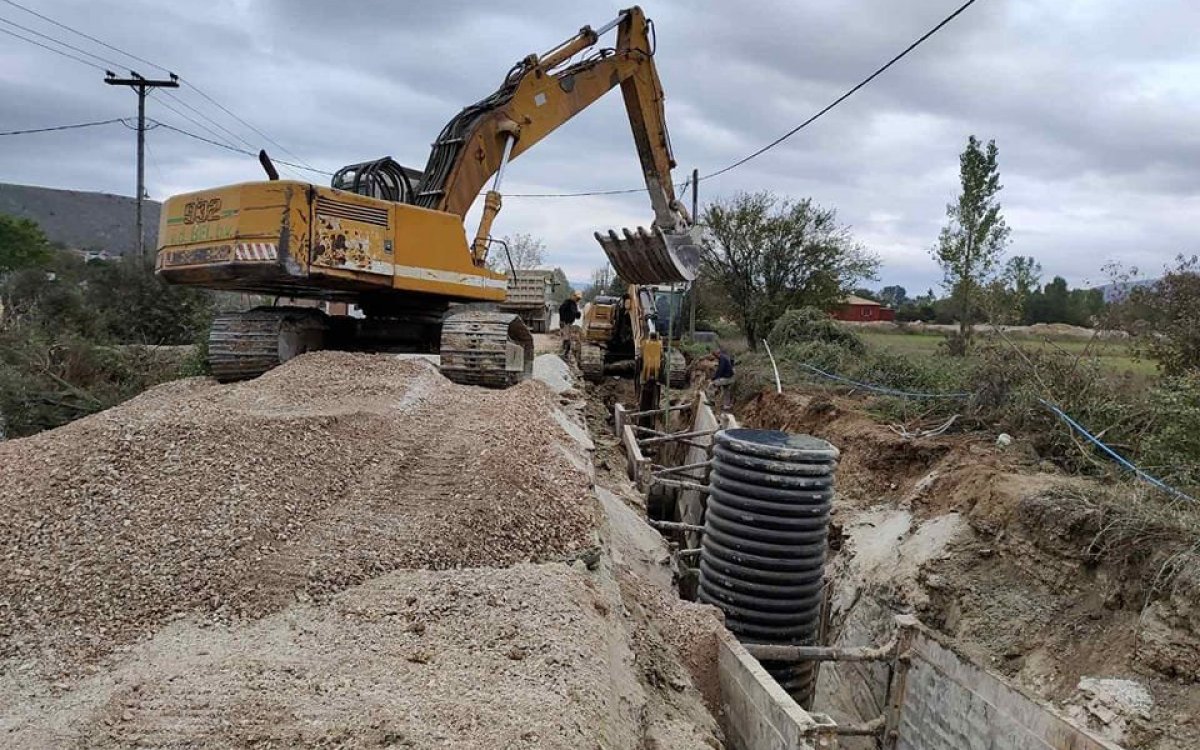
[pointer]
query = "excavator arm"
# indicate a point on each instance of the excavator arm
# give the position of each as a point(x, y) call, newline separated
point(539, 94)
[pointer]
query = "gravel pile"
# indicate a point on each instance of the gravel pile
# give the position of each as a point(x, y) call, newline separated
point(529, 656)
point(520, 657)
point(230, 502)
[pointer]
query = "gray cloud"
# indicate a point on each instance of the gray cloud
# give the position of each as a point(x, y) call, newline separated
point(1094, 106)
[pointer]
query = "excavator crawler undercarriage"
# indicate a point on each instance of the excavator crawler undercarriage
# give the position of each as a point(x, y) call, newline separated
point(492, 349)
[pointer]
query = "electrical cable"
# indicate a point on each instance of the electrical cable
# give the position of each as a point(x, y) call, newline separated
point(55, 51)
point(197, 123)
point(185, 82)
point(63, 127)
point(86, 36)
point(206, 118)
point(235, 149)
point(879, 71)
point(264, 136)
point(60, 42)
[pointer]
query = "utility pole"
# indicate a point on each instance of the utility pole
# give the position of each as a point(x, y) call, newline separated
point(140, 84)
point(695, 220)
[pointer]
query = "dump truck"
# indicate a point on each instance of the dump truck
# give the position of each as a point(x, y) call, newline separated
point(530, 294)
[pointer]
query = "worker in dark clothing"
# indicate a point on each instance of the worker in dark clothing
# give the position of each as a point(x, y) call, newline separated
point(722, 379)
point(568, 313)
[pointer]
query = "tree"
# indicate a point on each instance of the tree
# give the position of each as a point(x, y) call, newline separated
point(525, 250)
point(768, 254)
point(562, 286)
point(1056, 301)
point(1162, 317)
point(22, 244)
point(893, 296)
point(604, 281)
point(973, 240)
point(1022, 274)
point(1010, 293)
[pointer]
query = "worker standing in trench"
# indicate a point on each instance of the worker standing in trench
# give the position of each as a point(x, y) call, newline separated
point(722, 379)
point(568, 313)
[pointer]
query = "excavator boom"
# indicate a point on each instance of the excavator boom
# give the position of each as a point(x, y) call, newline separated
point(541, 93)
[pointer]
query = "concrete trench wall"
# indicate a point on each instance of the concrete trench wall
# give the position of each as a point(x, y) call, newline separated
point(944, 701)
point(937, 700)
point(757, 713)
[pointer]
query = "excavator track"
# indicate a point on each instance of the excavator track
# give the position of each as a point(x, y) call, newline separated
point(491, 349)
point(591, 362)
point(244, 345)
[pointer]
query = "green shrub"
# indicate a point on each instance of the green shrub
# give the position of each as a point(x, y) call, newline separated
point(906, 372)
point(807, 324)
point(1171, 448)
point(1009, 387)
point(825, 355)
point(49, 380)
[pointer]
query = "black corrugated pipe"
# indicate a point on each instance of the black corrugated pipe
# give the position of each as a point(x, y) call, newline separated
point(762, 559)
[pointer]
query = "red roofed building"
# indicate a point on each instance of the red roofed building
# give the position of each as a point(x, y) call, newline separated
point(861, 310)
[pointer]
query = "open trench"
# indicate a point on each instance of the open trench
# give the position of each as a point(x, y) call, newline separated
point(981, 572)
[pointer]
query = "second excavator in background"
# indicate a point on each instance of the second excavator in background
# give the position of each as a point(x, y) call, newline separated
point(391, 239)
point(636, 335)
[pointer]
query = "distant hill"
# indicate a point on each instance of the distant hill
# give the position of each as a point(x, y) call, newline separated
point(82, 220)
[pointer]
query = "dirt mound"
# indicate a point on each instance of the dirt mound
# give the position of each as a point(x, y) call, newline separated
point(878, 465)
point(233, 501)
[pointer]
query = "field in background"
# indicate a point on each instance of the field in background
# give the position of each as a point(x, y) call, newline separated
point(1113, 354)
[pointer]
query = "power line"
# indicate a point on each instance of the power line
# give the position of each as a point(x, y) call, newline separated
point(154, 161)
point(187, 83)
point(206, 118)
point(64, 127)
point(844, 96)
point(224, 142)
point(52, 49)
point(80, 50)
point(879, 71)
point(86, 36)
point(235, 149)
point(263, 135)
point(580, 195)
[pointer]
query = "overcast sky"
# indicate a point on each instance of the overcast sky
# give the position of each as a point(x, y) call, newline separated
point(1094, 104)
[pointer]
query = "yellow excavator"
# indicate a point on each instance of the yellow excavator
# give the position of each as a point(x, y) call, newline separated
point(636, 335)
point(391, 239)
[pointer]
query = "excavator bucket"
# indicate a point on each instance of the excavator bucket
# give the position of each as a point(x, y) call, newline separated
point(654, 256)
